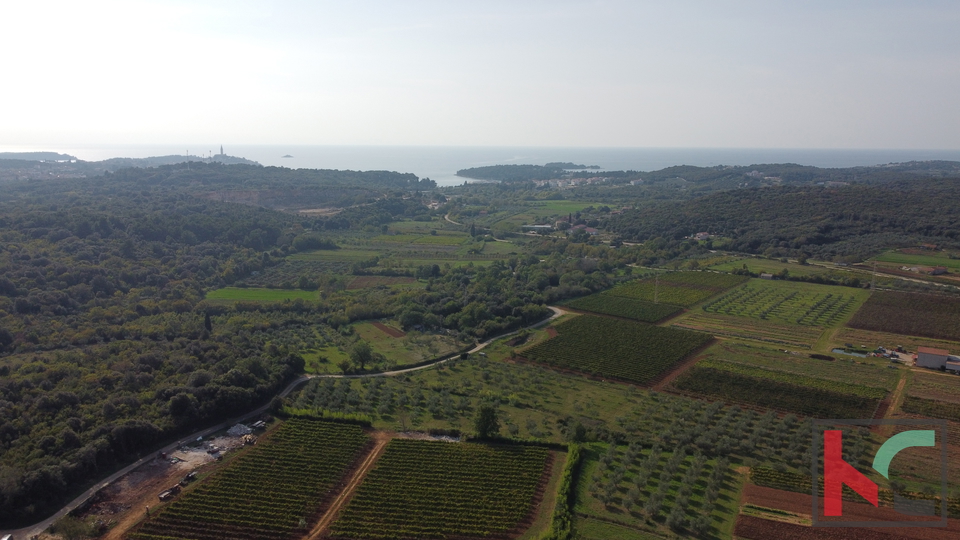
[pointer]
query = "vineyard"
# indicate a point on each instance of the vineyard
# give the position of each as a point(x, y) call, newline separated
point(740, 327)
point(677, 288)
point(789, 303)
point(436, 490)
point(271, 492)
point(624, 350)
point(912, 314)
point(805, 400)
point(628, 308)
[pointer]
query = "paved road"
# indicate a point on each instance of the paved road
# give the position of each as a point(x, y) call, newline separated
point(37, 528)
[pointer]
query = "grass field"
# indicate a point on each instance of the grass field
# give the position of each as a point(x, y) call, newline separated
point(237, 294)
point(625, 350)
point(412, 348)
point(787, 303)
point(730, 326)
point(437, 489)
point(444, 239)
point(771, 266)
point(346, 255)
point(867, 371)
point(920, 259)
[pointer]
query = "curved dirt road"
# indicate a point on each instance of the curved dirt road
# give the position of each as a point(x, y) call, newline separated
point(37, 528)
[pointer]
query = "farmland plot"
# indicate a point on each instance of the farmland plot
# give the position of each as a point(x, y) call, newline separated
point(815, 398)
point(436, 490)
point(628, 308)
point(271, 492)
point(784, 302)
point(741, 327)
point(912, 314)
point(677, 288)
point(632, 352)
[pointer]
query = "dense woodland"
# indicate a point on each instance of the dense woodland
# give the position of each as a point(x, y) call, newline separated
point(107, 347)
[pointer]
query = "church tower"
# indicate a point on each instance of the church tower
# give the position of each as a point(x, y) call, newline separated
point(221, 149)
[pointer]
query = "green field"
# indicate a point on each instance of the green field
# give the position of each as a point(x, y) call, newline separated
point(345, 255)
point(618, 306)
point(437, 489)
point(683, 289)
point(443, 239)
point(771, 266)
point(868, 372)
point(730, 326)
point(811, 398)
point(625, 350)
point(932, 259)
point(272, 491)
point(237, 294)
point(787, 302)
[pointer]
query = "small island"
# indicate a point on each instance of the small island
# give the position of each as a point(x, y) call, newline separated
point(286, 156)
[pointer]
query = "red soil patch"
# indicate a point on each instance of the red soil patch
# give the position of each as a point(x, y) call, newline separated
point(552, 332)
point(392, 332)
point(801, 503)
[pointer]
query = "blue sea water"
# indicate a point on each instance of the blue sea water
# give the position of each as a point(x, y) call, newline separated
point(442, 162)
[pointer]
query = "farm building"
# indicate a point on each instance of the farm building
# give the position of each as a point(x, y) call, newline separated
point(536, 228)
point(929, 357)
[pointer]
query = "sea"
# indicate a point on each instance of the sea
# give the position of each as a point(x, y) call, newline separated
point(441, 163)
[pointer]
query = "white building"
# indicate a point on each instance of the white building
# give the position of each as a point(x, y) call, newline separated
point(929, 357)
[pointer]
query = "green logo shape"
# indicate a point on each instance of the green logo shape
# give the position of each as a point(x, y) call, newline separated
point(900, 441)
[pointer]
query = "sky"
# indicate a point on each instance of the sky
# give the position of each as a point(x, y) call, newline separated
point(713, 74)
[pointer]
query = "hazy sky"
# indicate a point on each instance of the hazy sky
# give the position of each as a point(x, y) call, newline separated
point(832, 74)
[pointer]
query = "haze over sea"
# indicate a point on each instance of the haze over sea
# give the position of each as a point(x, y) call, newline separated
point(442, 162)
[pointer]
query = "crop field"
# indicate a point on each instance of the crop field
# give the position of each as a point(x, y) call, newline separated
point(677, 288)
point(237, 294)
point(628, 308)
point(629, 351)
point(935, 386)
point(437, 490)
point(811, 399)
point(786, 303)
point(741, 327)
point(408, 349)
point(873, 374)
point(273, 491)
point(912, 314)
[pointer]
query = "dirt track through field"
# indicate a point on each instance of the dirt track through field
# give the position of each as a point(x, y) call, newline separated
point(321, 528)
